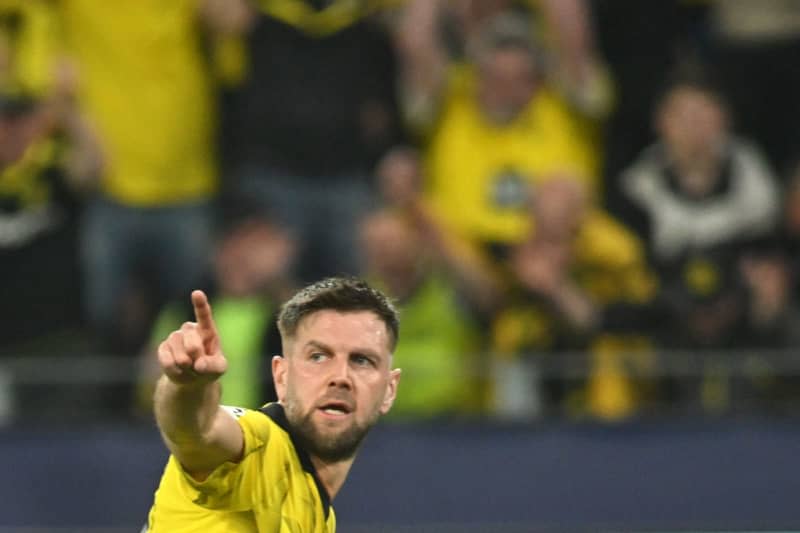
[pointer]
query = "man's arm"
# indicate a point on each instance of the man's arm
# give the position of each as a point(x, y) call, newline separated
point(423, 59)
point(198, 432)
point(579, 71)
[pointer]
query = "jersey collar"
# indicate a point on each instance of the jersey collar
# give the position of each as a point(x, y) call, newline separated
point(276, 413)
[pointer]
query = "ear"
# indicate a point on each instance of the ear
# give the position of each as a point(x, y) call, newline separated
point(279, 370)
point(391, 391)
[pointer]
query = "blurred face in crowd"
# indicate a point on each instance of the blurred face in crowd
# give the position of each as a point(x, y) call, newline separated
point(693, 125)
point(507, 80)
point(17, 132)
point(335, 380)
point(252, 256)
point(392, 249)
point(559, 205)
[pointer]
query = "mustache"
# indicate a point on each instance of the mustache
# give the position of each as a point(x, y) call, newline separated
point(339, 398)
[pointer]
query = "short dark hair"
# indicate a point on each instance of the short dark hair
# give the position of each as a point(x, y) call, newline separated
point(697, 77)
point(343, 294)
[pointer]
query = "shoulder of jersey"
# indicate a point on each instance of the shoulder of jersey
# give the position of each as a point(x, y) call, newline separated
point(235, 412)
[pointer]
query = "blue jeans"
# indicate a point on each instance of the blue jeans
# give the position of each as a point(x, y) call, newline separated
point(322, 214)
point(171, 246)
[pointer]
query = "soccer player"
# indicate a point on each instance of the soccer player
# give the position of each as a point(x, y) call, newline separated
point(276, 468)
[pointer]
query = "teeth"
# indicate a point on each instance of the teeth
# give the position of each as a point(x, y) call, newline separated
point(333, 411)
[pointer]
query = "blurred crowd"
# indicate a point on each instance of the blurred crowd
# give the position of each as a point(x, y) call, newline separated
point(583, 208)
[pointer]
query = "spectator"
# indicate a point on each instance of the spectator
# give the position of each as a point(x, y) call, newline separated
point(48, 161)
point(251, 275)
point(567, 30)
point(697, 196)
point(640, 41)
point(571, 279)
point(143, 80)
point(316, 112)
point(495, 123)
point(442, 289)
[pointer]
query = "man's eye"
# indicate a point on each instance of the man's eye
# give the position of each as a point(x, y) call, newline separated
point(318, 356)
point(362, 360)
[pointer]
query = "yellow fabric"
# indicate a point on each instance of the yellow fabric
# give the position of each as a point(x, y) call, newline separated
point(31, 48)
point(609, 266)
point(145, 86)
point(610, 261)
point(267, 492)
point(320, 23)
point(611, 392)
point(468, 158)
point(229, 60)
point(24, 181)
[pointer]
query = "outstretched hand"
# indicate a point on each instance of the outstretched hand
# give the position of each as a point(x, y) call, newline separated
point(192, 354)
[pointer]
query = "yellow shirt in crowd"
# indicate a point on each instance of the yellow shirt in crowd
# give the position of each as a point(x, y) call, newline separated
point(145, 85)
point(478, 172)
point(273, 489)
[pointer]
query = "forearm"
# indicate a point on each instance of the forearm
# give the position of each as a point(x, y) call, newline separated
point(195, 428)
point(85, 160)
point(575, 307)
point(578, 69)
point(423, 59)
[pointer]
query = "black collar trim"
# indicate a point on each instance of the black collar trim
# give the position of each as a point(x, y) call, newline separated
point(275, 412)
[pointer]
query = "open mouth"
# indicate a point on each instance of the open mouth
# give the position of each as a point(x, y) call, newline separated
point(336, 408)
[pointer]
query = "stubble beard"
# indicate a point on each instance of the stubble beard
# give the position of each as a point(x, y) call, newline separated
point(330, 447)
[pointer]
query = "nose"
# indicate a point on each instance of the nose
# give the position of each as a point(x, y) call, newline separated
point(340, 375)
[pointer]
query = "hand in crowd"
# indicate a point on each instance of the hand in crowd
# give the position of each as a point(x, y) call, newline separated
point(541, 267)
point(768, 282)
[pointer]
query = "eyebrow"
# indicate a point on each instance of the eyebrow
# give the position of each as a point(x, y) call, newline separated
point(319, 345)
point(368, 352)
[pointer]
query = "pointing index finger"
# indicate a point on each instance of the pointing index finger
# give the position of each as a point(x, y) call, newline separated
point(202, 312)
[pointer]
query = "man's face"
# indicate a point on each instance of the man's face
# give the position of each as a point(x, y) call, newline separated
point(391, 247)
point(506, 83)
point(692, 123)
point(559, 206)
point(335, 380)
point(252, 256)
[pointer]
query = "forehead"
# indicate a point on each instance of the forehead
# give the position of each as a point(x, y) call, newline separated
point(344, 330)
point(691, 96)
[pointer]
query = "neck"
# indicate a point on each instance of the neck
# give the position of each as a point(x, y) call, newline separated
point(332, 475)
point(702, 166)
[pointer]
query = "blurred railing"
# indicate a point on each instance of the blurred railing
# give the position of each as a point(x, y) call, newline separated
point(93, 387)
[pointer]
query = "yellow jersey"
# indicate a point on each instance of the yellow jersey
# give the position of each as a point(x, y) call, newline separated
point(479, 172)
point(273, 489)
point(146, 86)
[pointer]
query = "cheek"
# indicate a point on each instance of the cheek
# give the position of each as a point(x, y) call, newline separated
point(294, 394)
point(374, 388)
